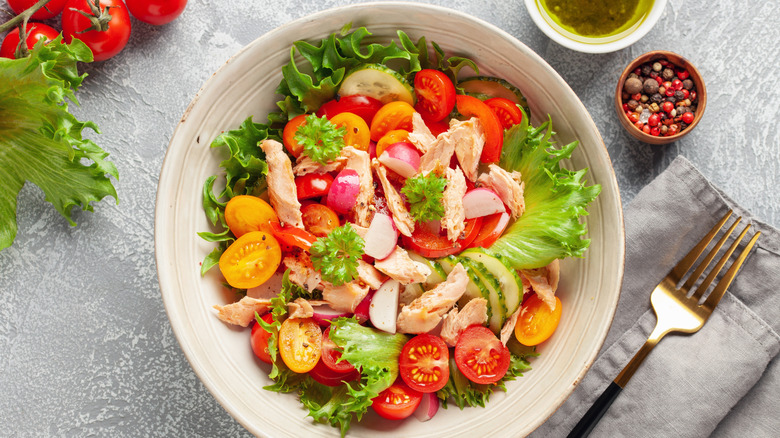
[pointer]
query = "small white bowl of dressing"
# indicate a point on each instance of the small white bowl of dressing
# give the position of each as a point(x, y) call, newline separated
point(595, 26)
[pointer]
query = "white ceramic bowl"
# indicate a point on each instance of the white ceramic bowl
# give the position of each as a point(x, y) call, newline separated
point(220, 355)
point(602, 45)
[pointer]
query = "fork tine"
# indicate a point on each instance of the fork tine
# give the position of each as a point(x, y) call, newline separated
point(725, 282)
point(718, 266)
point(708, 259)
point(685, 264)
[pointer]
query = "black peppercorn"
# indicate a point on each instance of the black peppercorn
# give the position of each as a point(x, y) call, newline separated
point(657, 98)
point(687, 84)
point(668, 74)
point(650, 86)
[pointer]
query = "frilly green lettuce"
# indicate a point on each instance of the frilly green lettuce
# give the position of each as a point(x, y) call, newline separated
point(41, 142)
point(555, 200)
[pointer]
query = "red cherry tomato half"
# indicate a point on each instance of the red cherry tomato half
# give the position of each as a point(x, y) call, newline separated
point(424, 363)
point(324, 375)
point(103, 43)
point(156, 12)
point(36, 30)
point(435, 94)
point(49, 10)
point(470, 106)
point(363, 106)
point(259, 339)
point(313, 185)
point(319, 219)
point(493, 227)
point(508, 112)
point(331, 355)
point(431, 245)
point(292, 236)
point(481, 356)
point(396, 402)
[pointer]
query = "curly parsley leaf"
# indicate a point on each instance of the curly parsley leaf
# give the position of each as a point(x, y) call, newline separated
point(424, 194)
point(41, 141)
point(322, 141)
point(336, 255)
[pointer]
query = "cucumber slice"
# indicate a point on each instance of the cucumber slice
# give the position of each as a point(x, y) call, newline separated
point(377, 81)
point(496, 302)
point(485, 87)
point(509, 281)
point(474, 289)
point(437, 272)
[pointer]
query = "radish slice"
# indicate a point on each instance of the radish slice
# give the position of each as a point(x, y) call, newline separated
point(428, 407)
point(361, 311)
point(344, 191)
point(323, 314)
point(481, 202)
point(381, 237)
point(383, 310)
point(402, 158)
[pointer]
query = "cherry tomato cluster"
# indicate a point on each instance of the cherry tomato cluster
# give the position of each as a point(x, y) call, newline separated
point(103, 25)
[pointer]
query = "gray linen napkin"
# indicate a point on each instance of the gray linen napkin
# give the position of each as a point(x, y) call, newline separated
point(723, 380)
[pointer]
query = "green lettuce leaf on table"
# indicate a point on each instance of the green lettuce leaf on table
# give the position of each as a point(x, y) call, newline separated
point(555, 199)
point(41, 142)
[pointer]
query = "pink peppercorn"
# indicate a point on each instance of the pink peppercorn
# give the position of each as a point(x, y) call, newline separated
point(682, 74)
point(655, 131)
point(654, 119)
point(677, 84)
point(646, 129)
point(668, 106)
point(687, 117)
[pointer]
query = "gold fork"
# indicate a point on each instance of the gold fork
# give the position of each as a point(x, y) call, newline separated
point(676, 309)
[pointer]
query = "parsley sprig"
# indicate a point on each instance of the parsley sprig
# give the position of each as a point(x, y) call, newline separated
point(336, 255)
point(424, 194)
point(322, 141)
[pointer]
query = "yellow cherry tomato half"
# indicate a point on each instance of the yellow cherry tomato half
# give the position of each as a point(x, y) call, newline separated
point(358, 134)
point(394, 136)
point(300, 344)
point(537, 322)
point(250, 260)
point(288, 135)
point(319, 219)
point(394, 115)
point(245, 213)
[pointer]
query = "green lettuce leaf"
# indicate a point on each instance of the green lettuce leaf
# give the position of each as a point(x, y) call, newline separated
point(375, 354)
point(41, 142)
point(555, 199)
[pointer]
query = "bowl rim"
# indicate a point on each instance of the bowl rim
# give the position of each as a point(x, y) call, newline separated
point(192, 358)
point(680, 62)
point(652, 18)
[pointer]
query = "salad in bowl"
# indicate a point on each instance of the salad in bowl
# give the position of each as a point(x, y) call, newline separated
point(393, 232)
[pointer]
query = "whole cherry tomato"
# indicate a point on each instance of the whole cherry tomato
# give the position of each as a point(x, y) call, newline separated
point(107, 30)
point(156, 12)
point(35, 31)
point(49, 10)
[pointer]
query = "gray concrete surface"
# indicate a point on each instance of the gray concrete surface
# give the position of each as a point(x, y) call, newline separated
point(85, 344)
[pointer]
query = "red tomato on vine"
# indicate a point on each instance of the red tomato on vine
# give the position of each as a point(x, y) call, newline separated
point(103, 25)
point(49, 10)
point(34, 32)
point(156, 12)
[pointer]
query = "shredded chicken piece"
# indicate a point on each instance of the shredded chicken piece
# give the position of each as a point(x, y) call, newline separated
point(425, 313)
point(305, 165)
point(409, 293)
point(508, 186)
point(438, 154)
point(403, 220)
point(399, 266)
point(300, 308)
point(455, 322)
point(369, 275)
point(361, 231)
point(269, 289)
point(281, 184)
point(469, 139)
point(421, 136)
point(544, 281)
point(302, 271)
point(360, 162)
point(454, 219)
point(242, 312)
point(346, 297)
point(509, 326)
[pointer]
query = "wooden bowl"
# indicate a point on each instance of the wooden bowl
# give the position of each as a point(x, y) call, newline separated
point(678, 61)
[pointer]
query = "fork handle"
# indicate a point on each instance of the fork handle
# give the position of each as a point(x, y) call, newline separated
point(600, 406)
point(594, 414)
